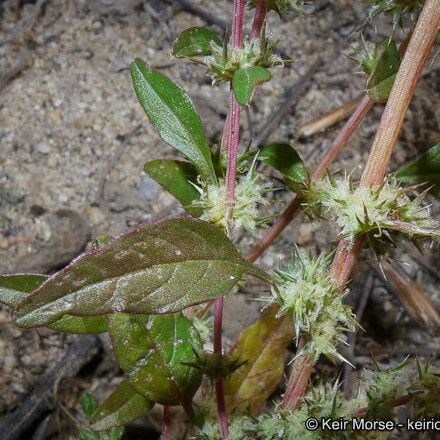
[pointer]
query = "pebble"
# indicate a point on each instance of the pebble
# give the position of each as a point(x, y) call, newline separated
point(43, 148)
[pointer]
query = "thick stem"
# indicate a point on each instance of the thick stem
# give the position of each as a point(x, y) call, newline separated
point(166, 432)
point(335, 148)
point(409, 73)
point(299, 379)
point(401, 94)
point(259, 17)
point(219, 391)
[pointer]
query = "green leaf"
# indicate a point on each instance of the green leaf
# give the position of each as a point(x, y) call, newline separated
point(286, 160)
point(123, 406)
point(384, 72)
point(153, 269)
point(173, 114)
point(151, 349)
point(175, 176)
point(25, 283)
point(89, 404)
point(13, 288)
point(195, 41)
point(263, 349)
point(245, 80)
point(426, 169)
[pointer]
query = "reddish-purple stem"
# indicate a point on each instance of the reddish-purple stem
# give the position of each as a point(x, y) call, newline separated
point(166, 431)
point(221, 406)
point(260, 16)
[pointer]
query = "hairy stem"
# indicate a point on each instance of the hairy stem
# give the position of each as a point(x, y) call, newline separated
point(302, 369)
point(219, 391)
point(335, 148)
point(409, 73)
point(260, 16)
point(166, 432)
point(231, 134)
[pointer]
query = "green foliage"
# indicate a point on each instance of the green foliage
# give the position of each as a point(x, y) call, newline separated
point(154, 352)
point(173, 114)
point(425, 169)
point(158, 268)
point(90, 405)
point(226, 60)
point(195, 41)
point(178, 178)
point(245, 80)
point(385, 65)
point(286, 160)
point(123, 406)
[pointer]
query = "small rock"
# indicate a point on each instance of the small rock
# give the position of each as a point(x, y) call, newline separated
point(43, 148)
point(3, 242)
point(95, 215)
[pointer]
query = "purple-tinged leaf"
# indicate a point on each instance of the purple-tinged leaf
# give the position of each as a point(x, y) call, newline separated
point(153, 269)
point(15, 288)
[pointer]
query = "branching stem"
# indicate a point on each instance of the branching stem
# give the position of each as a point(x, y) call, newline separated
point(389, 128)
point(333, 151)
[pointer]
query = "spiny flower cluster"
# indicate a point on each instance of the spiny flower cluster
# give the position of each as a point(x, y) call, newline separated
point(305, 290)
point(381, 212)
point(225, 60)
point(248, 197)
point(283, 7)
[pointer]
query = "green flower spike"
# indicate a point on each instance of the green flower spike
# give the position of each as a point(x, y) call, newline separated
point(381, 212)
point(305, 290)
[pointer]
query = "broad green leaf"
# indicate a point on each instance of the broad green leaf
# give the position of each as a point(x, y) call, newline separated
point(426, 169)
point(123, 406)
point(286, 160)
point(153, 269)
point(384, 72)
point(175, 176)
point(29, 282)
point(195, 41)
point(151, 349)
point(173, 114)
point(263, 348)
point(245, 80)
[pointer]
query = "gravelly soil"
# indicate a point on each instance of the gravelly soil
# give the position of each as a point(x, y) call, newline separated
point(64, 117)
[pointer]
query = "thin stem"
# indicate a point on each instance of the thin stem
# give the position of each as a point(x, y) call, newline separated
point(231, 134)
point(335, 148)
point(234, 138)
point(260, 16)
point(219, 391)
point(166, 432)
